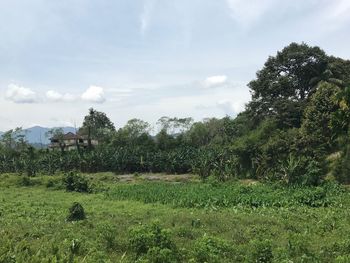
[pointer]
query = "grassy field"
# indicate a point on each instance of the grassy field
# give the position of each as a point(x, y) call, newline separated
point(173, 221)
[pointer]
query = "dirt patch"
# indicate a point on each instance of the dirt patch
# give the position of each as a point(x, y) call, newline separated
point(157, 177)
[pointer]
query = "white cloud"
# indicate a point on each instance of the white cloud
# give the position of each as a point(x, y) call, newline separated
point(20, 94)
point(94, 94)
point(215, 81)
point(231, 107)
point(52, 95)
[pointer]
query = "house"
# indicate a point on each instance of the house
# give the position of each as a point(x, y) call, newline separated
point(70, 141)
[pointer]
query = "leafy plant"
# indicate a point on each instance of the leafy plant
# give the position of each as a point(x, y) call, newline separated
point(211, 249)
point(76, 212)
point(76, 182)
point(153, 242)
point(261, 251)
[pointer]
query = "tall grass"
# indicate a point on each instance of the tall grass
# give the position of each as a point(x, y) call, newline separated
point(195, 195)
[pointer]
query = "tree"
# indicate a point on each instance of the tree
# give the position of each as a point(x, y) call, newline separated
point(340, 69)
point(14, 139)
point(57, 134)
point(136, 127)
point(96, 125)
point(316, 126)
point(174, 125)
point(209, 131)
point(283, 86)
point(134, 133)
point(341, 118)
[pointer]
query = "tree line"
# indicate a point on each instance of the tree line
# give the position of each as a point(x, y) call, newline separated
point(295, 129)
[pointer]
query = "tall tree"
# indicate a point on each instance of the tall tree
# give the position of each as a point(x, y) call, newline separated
point(283, 86)
point(96, 125)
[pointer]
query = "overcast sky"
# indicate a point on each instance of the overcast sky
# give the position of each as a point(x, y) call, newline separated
point(148, 58)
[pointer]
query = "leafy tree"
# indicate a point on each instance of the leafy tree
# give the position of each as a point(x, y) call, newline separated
point(340, 69)
point(174, 125)
point(341, 118)
point(96, 125)
point(282, 87)
point(134, 133)
point(14, 139)
point(136, 127)
point(316, 125)
point(165, 141)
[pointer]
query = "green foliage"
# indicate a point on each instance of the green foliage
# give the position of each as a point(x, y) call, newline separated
point(341, 170)
point(227, 195)
point(96, 125)
point(25, 181)
point(108, 235)
point(76, 213)
point(316, 126)
point(153, 243)
point(75, 245)
point(283, 85)
point(212, 249)
point(75, 182)
point(261, 251)
point(310, 224)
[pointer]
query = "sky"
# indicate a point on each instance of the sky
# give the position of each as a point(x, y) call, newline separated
point(148, 58)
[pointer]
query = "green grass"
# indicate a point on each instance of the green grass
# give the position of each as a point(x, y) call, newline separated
point(33, 226)
point(194, 195)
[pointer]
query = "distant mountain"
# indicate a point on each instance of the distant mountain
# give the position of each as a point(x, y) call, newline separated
point(37, 135)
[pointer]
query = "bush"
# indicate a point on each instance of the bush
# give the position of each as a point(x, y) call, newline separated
point(314, 173)
point(25, 181)
point(108, 235)
point(50, 184)
point(76, 183)
point(211, 249)
point(342, 167)
point(76, 212)
point(152, 243)
point(262, 251)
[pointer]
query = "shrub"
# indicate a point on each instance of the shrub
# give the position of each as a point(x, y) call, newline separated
point(108, 235)
point(153, 243)
point(313, 173)
point(299, 246)
point(76, 183)
point(211, 249)
point(76, 212)
point(161, 255)
point(261, 251)
point(50, 184)
point(25, 181)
